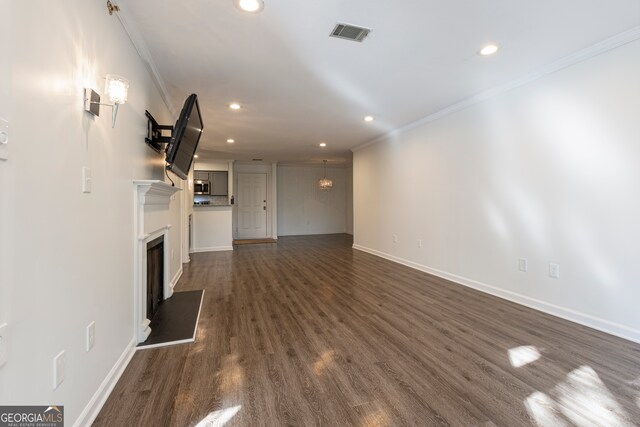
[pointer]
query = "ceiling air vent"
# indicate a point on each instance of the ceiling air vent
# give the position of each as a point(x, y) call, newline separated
point(350, 32)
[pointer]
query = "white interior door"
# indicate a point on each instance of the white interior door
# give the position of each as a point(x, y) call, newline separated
point(252, 205)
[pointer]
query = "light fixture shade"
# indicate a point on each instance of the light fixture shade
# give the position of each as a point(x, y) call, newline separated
point(489, 50)
point(252, 6)
point(116, 89)
point(325, 184)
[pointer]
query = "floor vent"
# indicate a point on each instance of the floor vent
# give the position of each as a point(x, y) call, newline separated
point(350, 32)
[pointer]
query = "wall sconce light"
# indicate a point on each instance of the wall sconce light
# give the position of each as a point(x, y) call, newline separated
point(116, 89)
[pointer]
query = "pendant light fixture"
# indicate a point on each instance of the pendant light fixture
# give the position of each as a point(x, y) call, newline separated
point(325, 183)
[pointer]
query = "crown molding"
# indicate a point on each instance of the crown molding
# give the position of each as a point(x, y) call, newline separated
point(565, 62)
point(128, 23)
point(314, 165)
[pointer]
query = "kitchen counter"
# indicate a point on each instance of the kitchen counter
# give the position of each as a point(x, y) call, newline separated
point(212, 228)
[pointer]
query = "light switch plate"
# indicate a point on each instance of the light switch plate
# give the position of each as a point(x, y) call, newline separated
point(59, 368)
point(91, 335)
point(86, 180)
point(554, 270)
point(4, 343)
point(523, 265)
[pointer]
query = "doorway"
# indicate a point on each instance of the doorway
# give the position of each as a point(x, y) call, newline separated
point(252, 205)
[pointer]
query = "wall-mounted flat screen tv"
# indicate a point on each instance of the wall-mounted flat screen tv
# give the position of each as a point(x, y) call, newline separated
point(184, 138)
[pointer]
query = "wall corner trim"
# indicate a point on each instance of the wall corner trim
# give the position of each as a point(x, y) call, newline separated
point(603, 46)
point(571, 315)
point(91, 411)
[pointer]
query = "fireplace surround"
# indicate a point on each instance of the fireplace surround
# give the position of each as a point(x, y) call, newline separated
point(152, 199)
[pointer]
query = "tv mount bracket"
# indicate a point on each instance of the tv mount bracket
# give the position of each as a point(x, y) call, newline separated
point(154, 132)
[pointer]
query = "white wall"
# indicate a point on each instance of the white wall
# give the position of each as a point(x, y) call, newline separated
point(303, 208)
point(187, 209)
point(71, 254)
point(7, 182)
point(177, 218)
point(546, 172)
point(207, 165)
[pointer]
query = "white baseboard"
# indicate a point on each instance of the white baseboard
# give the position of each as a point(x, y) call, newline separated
point(314, 233)
point(212, 249)
point(175, 279)
point(91, 411)
point(603, 325)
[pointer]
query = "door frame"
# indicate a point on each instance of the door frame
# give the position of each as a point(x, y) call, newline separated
point(266, 201)
point(270, 169)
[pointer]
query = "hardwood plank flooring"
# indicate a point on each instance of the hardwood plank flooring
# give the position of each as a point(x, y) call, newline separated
point(310, 332)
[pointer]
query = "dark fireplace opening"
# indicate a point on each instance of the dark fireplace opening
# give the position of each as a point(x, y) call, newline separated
point(155, 275)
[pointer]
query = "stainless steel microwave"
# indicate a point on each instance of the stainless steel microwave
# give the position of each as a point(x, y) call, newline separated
point(201, 188)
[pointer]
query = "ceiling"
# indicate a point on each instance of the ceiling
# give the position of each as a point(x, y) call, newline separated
point(298, 86)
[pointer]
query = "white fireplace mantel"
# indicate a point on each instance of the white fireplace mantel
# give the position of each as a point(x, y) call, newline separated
point(154, 192)
point(152, 200)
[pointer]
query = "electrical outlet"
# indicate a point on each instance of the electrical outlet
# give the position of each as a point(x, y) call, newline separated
point(395, 239)
point(4, 343)
point(554, 270)
point(523, 265)
point(419, 243)
point(4, 139)
point(91, 335)
point(59, 368)
point(86, 180)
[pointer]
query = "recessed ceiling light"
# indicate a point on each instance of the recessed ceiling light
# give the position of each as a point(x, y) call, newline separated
point(234, 106)
point(489, 49)
point(368, 118)
point(231, 141)
point(195, 156)
point(252, 6)
point(323, 144)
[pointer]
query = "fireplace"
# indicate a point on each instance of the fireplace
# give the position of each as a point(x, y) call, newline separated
point(152, 248)
point(155, 275)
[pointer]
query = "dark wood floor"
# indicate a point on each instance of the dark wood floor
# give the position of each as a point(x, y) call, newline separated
point(311, 332)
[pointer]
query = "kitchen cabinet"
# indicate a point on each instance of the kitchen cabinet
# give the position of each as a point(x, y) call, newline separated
point(219, 183)
point(201, 175)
